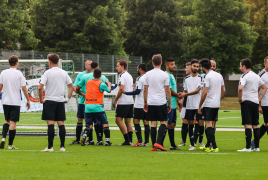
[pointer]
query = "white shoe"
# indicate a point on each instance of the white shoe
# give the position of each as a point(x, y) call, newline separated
point(11, 147)
point(2, 144)
point(147, 144)
point(256, 149)
point(192, 148)
point(201, 144)
point(62, 149)
point(244, 150)
point(48, 150)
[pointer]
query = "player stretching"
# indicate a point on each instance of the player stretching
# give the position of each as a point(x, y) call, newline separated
point(139, 113)
point(156, 94)
point(249, 99)
point(124, 103)
point(213, 92)
point(11, 80)
point(81, 107)
point(192, 87)
point(94, 111)
point(55, 80)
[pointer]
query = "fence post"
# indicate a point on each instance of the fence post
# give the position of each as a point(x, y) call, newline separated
point(83, 67)
point(113, 68)
point(127, 62)
point(98, 59)
point(32, 54)
point(141, 59)
point(66, 56)
point(14, 52)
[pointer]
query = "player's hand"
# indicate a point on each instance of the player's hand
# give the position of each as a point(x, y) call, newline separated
point(180, 106)
point(28, 104)
point(179, 94)
point(182, 95)
point(109, 84)
point(114, 104)
point(260, 110)
point(199, 111)
point(134, 86)
point(42, 101)
point(123, 91)
point(145, 108)
point(169, 108)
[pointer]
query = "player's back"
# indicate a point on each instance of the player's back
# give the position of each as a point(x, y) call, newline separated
point(139, 101)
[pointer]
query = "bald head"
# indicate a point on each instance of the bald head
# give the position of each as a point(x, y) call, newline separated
point(213, 65)
point(88, 65)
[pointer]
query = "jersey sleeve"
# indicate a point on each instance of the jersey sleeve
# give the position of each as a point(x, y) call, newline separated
point(167, 80)
point(222, 81)
point(260, 81)
point(1, 79)
point(242, 81)
point(206, 82)
point(104, 87)
point(22, 80)
point(184, 85)
point(104, 79)
point(68, 79)
point(139, 85)
point(121, 80)
point(145, 80)
point(81, 83)
point(78, 77)
point(44, 79)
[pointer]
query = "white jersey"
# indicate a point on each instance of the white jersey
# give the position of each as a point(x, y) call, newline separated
point(139, 101)
point(55, 79)
point(157, 80)
point(125, 79)
point(264, 76)
point(251, 83)
point(12, 80)
point(213, 81)
point(191, 84)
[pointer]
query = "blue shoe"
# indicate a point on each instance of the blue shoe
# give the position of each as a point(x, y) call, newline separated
point(252, 145)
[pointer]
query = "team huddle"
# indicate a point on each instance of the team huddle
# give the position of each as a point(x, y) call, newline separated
point(156, 99)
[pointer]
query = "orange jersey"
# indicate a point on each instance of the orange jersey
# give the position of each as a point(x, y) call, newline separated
point(93, 94)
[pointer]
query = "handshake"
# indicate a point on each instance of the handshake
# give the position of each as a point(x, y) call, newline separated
point(181, 95)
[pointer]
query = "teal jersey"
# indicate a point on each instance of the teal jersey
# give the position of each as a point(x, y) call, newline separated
point(78, 78)
point(203, 74)
point(173, 86)
point(93, 108)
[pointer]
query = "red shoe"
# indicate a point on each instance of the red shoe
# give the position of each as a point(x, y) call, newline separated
point(138, 144)
point(154, 149)
point(159, 146)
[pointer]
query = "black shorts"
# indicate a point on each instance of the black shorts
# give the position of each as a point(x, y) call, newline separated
point(124, 111)
point(172, 116)
point(54, 111)
point(81, 111)
point(249, 113)
point(139, 113)
point(209, 114)
point(191, 114)
point(157, 113)
point(265, 113)
point(97, 117)
point(12, 113)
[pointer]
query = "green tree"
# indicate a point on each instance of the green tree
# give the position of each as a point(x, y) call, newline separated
point(219, 30)
point(78, 26)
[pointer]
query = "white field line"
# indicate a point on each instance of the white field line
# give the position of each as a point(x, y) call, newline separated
point(196, 153)
point(33, 151)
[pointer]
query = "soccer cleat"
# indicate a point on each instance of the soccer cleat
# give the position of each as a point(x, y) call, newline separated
point(252, 145)
point(125, 144)
point(204, 148)
point(191, 148)
point(108, 143)
point(90, 142)
point(138, 144)
point(244, 150)
point(11, 147)
point(155, 149)
point(146, 144)
point(62, 149)
point(201, 144)
point(182, 144)
point(174, 148)
point(48, 150)
point(2, 144)
point(159, 146)
point(74, 142)
point(99, 143)
point(256, 149)
point(213, 150)
point(83, 141)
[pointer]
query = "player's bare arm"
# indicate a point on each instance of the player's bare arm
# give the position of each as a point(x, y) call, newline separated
point(203, 97)
point(1, 87)
point(185, 93)
point(173, 93)
point(78, 91)
point(25, 92)
point(145, 95)
point(263, 91)
point(168, 94)
point(222, 92)
point(70, 92)
point(40, 90)
point(119, 94)
point(240, 92)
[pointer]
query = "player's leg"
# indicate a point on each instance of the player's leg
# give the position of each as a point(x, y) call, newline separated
point(137, 126)
point(79, 125)
point(62, 134)
point(189, 115)
point(50, 135)
point(153, 134)
point(146, 132)
point(201, 132)
point(169, 125)
point(89, 119)
point(184, 127)
point(121, 112)
point(196, 130)
point(171, 131)
point(255, 127)
point(4, 133)
point(101, 118)
point(128, 117)
point(60, 117)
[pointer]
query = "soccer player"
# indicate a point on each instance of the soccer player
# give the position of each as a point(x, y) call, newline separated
point(81, 107)
point(213, 92)
point(249, 99)
point(11, 81)
point(82, 86)
point(156, 94)
point(192, 86)
point(124, 109)
point(55, 79)
point(184, 127)
point(139, 113)
point(263, 106)
point(94, 111)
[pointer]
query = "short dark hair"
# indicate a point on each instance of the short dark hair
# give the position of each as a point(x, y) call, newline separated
point(94, 65)
point(54, 58)
point(122, 63)
point(169, 60)
point(265, 59)
point(246, 62)
point(205, 62)
point(97, 73)
point(13, 60)
point(194, 61)
point(143, 67)
point(157, 59)
point(188, 64)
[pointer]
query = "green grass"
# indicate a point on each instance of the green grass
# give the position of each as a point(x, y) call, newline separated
point(95, 162)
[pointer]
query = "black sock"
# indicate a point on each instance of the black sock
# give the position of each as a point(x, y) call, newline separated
point(96, 127)
point(5, 130)
point(161, 133)
point(248, 134)
point(191, 134)
point(153, 135)
point(62, 135)
point(256, 137)
point(196, 132)
point(184, 131)
point(50, 134)
point(162, 142)
point(214, 130)
point(138, 132)
point(100, 132)
point(130, 134)
point(12, 134)
point(201, 133)
point(211, 136)
point(126, 137)
point(90, 136)
point(262, 131)
point(86, 132)
point(146, 133)
point(171, 136)
point(106, 131)
point(208, 141)
point(79, 128)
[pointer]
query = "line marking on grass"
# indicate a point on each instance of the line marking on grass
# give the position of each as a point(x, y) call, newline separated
point(33, 151)
point(195, 153)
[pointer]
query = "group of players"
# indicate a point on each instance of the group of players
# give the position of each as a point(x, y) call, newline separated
point(156, 99)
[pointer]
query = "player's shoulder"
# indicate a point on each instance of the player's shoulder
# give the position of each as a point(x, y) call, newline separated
point(245, 74)
point(141, 77)
point(20, 72)
point(46, 71)
point(187, 77)
point(122, 74)
point(262, 73)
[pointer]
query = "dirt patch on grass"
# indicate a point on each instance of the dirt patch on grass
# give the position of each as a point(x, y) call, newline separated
point(230, 103)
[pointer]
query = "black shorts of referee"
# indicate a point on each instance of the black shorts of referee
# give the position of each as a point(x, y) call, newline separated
point(249, 113)
point(54, 111)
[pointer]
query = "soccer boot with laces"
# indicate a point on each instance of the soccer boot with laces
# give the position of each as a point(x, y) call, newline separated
point(125, 144)
point(159, 146)
point(108, 143)
point(138, 144)
point(11, 147)
point(90, 142)
point(2, 144)
point(174, 148)
point(74, 142)
point(182, 144)
point(244, 150)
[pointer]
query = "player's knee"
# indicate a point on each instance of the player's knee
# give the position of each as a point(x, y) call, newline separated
point(80, 120)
